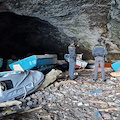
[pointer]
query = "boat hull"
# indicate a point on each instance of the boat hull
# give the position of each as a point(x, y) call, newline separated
point(24, 64)
point(92, 66)
point(35, 61)
point(20, 85)
point(47, 59)
point(79, 62)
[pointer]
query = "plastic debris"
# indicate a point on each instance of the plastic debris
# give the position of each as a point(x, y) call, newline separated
point(98, 115)
point(93, 92)
point(111, 82)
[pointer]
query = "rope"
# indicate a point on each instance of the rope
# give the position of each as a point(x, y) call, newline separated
point(25, 92)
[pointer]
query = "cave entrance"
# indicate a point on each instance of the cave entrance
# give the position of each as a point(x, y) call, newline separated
point(22, 36)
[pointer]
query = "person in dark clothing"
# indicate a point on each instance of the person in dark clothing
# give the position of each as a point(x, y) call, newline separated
point(72, 60)
point(99, 52)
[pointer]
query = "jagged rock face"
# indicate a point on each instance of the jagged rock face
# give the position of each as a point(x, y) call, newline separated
point(83, 20)
point(114, 22)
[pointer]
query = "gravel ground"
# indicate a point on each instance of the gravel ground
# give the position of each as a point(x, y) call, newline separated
point(81, 99)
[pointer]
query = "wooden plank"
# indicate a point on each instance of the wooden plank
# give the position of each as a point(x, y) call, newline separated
point(101, 102)
point(63, 82)
point(10, 103)
point(115, 74)
point(109, 109)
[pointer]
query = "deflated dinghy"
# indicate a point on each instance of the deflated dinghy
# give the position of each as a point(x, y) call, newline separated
point(19, 85)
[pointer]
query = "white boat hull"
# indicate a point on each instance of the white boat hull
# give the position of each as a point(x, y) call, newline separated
point(79, 62)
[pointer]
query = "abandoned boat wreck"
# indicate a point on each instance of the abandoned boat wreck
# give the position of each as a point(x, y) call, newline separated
point(19, 85)
point(25, 77)
point(37, 62)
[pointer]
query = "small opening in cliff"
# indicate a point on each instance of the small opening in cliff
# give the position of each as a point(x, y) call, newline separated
point(21, 36)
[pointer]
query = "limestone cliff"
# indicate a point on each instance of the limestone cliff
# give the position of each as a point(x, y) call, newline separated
point(83, 20)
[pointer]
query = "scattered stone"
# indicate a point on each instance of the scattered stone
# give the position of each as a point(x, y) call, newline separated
point(80, 103)
point(111, 82)
point(33, 96)
point(73, 101)
point(44, 102)
point(27, 108)
point(28, 98)
point(106, 116)
point(23, 100)
point(29, 103)
point(113, 78)
point(86, 104)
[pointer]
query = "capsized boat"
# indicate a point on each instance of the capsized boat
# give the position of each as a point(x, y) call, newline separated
point(14, 86)
point(47, 59)
point(46, 62)
point(24, 64)
point(79, 62)
point(41, 62)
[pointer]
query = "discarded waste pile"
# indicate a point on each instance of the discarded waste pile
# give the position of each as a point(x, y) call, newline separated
point(65, 99)
point(22, 80)
point(59, 98)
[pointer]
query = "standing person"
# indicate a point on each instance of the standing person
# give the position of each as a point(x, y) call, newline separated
point(99, 52)
point(72, 60)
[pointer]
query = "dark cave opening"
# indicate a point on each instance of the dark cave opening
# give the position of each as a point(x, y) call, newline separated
point(22, 36)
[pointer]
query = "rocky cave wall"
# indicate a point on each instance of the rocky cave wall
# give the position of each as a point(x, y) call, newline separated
point(83, 20)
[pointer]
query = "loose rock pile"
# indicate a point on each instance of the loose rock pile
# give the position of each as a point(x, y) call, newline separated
point(81, 99)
